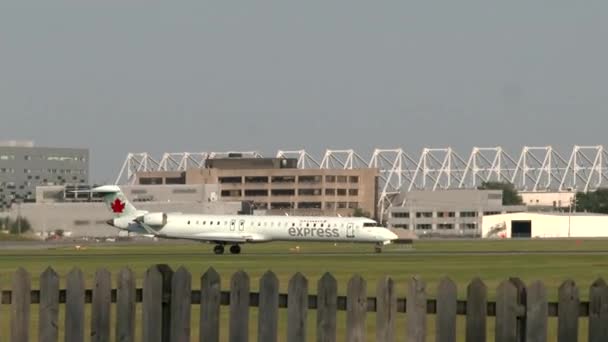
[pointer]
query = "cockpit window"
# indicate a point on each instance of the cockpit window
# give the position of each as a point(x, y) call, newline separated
point(370, 224)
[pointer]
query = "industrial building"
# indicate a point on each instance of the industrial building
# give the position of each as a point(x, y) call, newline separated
point(545, 225)
point(276, 186)
point(83, 214)
point(447, 212)
point(24, 166)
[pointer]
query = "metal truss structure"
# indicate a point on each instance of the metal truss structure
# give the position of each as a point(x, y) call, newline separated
point(535, 169)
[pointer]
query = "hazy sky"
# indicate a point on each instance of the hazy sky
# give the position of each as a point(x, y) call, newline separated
point(130, 76)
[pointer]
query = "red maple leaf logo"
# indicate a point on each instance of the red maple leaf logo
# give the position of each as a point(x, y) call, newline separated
point(117, 206)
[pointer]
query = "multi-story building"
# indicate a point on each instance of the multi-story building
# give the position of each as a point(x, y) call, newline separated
point(448, 212)
point(277, 186)
point(24, 166)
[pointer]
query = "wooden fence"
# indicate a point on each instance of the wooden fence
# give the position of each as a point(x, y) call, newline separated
point(521, 312)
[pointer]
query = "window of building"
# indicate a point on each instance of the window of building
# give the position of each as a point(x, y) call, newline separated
point(445, 214)
point(487, 213)
point(256, 179)
point(230, 180)
point(175, 180)
point(282, 192)
point(283, 179)
point(253, 193)
point(495, 196)
point(150, 180)
point(468, 214)
point(341, 192)
point(401, 226)
point(341, 205)
point(342, 179)
point(309, 179)
point(353, 205)
point(353, 192)
point(231, 193)
point(445, 226)
point(261, 205)
point(353, 179)
point(330, 192)
point(184, 191)
point(423, 226)
point(330, 205)
point(309, 205)
point(424, 214)
point(470, 226)
point(309, 192)
point(330, 179)
point(280, 205)
point(400, 214)
point(139, 191)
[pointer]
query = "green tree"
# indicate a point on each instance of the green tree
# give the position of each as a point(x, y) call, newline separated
point(358, 212)
point(592, 202)
point(510, 196)
point(19, 226)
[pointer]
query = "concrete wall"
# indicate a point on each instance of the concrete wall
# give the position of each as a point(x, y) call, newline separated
point(550, 225)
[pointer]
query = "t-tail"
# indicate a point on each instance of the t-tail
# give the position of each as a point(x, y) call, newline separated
point(116, 201)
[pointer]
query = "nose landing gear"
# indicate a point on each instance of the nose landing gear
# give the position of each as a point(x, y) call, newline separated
point(378, 248)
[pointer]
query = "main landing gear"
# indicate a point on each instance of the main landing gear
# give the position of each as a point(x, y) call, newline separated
point(378, 248)
point(234, 249)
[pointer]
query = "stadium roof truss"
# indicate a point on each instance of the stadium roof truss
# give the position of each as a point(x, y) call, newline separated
point(535, 169)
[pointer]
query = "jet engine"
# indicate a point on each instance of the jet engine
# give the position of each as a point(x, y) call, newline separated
point(155, 219)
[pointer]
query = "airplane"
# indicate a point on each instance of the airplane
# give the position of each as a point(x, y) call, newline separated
point(235, 230)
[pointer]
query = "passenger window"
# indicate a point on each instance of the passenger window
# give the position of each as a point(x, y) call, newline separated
point(321, 225)
point(188, 222)
point(218, 223)
point(314, 225)
point(204, 222)
point(259, 224)
point(307, 225)
point(211, 223)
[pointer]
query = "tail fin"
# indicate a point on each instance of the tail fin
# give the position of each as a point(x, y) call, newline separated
point(116, 201)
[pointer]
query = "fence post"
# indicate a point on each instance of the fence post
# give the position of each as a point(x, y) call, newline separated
point(181, 291)
point(49, 306)
point(100, 313)
point(416, 310)
point(536, 313)
point(386, 310)
point(327, 307)
point(20, 306)
point(269, 308)
point(211, 292)
point(297, 308)
point(445, 325)
point(356, 309)
point(567, 321)
point(506, 312)
point(477, 302)
point(156, 304)
point(520, 318)
point(74, 307)
point(598, 311)
point(125, 306)
point(239, 307)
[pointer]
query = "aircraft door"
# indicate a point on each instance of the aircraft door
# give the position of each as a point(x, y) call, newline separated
point(241, 225)
point(350, 230)
point(232, 225)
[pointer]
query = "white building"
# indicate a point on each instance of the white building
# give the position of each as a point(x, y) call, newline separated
point(545, 225)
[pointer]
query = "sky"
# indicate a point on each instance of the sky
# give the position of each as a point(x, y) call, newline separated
point(173, 76)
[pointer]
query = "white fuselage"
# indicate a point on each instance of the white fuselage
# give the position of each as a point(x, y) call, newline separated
point(245, 228)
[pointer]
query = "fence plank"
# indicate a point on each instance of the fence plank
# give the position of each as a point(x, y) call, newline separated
point(297, 308)
point(74, 307)
point(536, 313)
point(239, 307)
point(269, 308)
point(416, 310)
point(446, 311)
point(567, 321)
point(520, 326)
point(477, 298)
point(327, 308)
point(125, 306)
point(181, 290)
point(356, 309)
point(48, 310)
point(20, 307)
point(386, 310)
point(506, 312)
point(598, 311)
point(152, 306)
point(102, 297)
point(210, 306)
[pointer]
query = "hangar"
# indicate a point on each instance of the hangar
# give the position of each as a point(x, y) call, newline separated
point(545, 225)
